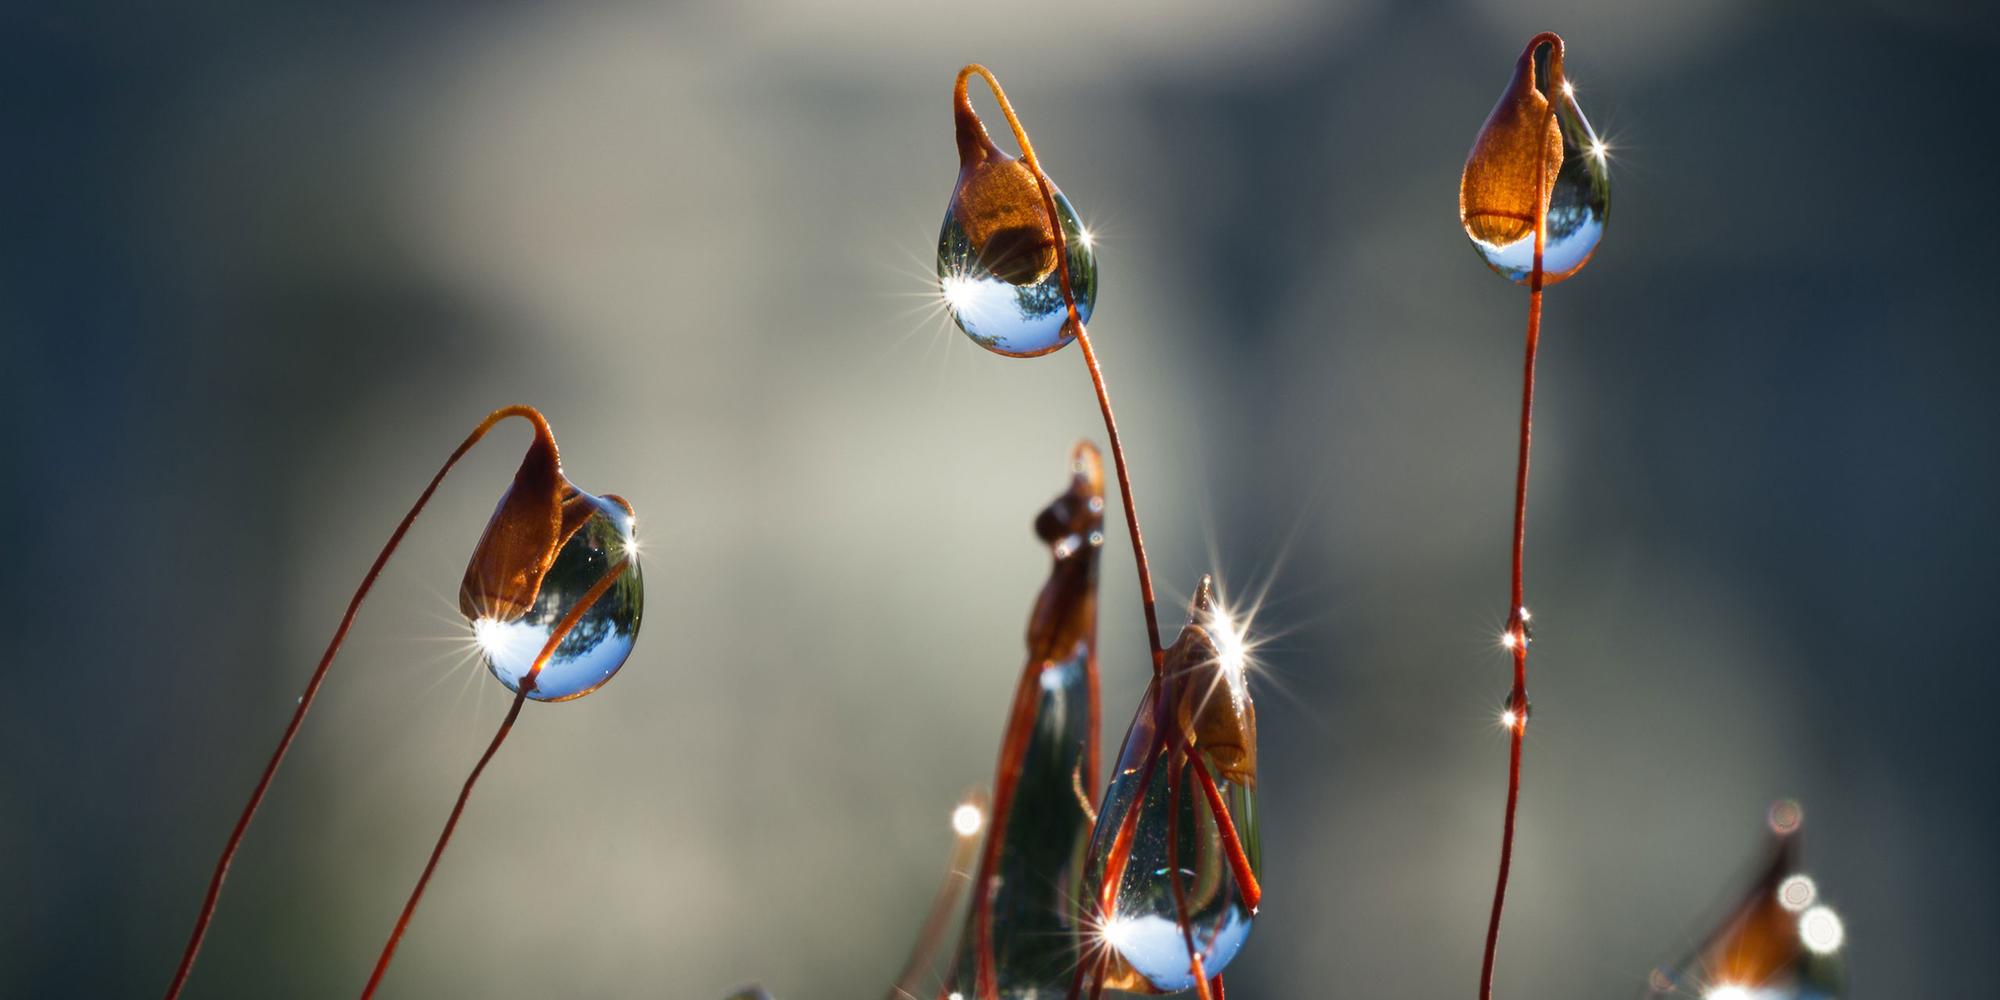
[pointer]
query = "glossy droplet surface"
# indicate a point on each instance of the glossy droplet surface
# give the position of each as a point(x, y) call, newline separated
point(1778, 941)
point(1022, 320)
point(1160, 805)
point(602, 638)
point(1497, 193)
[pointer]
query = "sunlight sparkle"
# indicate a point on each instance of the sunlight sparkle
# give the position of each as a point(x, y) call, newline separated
point(957, 289)
point(487, 633)
point(1797, 893)
point(967, 819)
point(1821, 930)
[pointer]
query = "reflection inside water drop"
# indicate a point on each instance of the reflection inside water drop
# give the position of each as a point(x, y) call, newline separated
point(1015, 320)
point(602, 638)
point(1579, 201)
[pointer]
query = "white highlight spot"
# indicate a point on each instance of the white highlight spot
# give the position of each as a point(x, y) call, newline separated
point(1234, 654)
point(958, 291)
point(967, 819)
point(490, 636)
point(1821, 930)
point(1117, 932)
point(1797, 893)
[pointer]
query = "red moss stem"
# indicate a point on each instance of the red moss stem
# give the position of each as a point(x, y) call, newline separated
point(1517, 633)
point(1089, 356)
point(208, 903)
point(562, 630)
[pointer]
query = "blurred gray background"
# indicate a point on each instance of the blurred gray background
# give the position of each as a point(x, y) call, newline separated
point(264, 267)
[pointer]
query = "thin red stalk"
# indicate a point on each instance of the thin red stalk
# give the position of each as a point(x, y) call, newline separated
point(1232, 843)
point(1090, 358)
point(1517, 633)
point(1174, 792)
point(943, 905)
point(1121, 844)
point(1120, 852)
point(1200, 979)
point(1013, 754)
point(305, 703)
point(1146, 598)
point(527, 684)
point(444, 838)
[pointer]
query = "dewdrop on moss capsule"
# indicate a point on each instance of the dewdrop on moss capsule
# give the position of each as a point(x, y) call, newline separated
point(1140, 919)
point(1536, 136)
point(549, 548)
point(997, 250)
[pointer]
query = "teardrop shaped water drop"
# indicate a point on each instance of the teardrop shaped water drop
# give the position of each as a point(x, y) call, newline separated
point(1536, 130)
point(598, 561)
point(1166, 867)
point(1016, 320)
point(1779, 940)
point(997, 250)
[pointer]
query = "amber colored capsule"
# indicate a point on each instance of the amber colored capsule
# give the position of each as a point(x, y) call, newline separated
point(1072, 525)
point(505, 573)
point(1498, 196)
point(999, 203)
point(1214, 703)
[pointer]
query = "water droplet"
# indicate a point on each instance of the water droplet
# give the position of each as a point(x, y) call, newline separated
point(1159, 815)
point(1017, 320)
point(996, 260)
point(1536, 132)
point(598, 644)
point(1773, 944)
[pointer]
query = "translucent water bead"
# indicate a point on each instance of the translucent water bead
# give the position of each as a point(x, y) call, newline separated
point(1159, 808)
point(602, 637)
point(1017, 320)
point(997, 250)
point(1536, 130)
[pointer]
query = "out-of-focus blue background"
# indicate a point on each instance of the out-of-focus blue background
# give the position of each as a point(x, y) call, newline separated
point(265, 265)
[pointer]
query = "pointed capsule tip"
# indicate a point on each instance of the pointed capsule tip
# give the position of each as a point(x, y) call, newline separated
point(1203, 601)
point(974, 144)
point(998, 199)
point(1086, 463)
point(504, 575)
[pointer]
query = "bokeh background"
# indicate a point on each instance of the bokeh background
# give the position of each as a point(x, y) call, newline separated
point(265, 265)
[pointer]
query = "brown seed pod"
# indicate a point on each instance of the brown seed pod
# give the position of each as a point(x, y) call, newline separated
point(999, 202)
point(1521, 142)
point(1214, 703)
point(504, 576)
